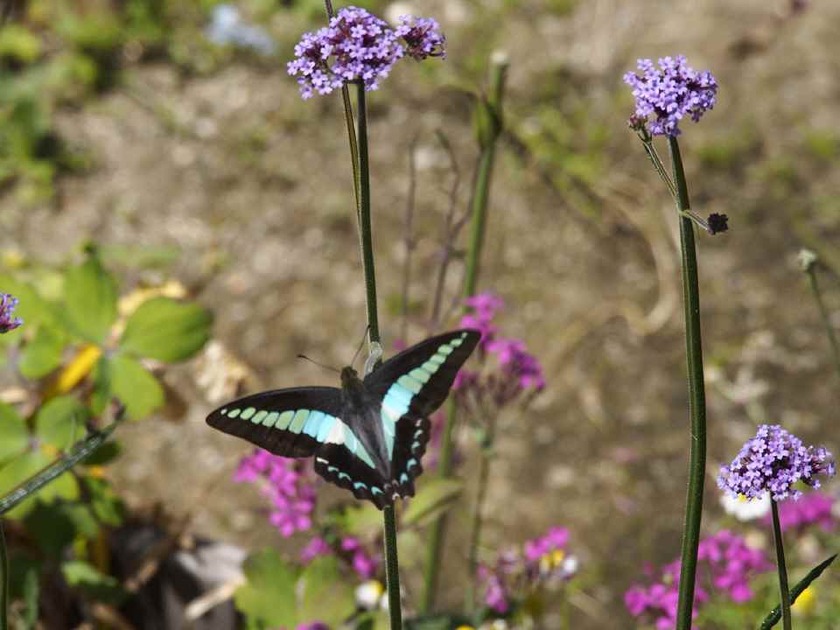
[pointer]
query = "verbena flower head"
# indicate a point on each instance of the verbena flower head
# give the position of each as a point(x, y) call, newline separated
point(773, 461)
point(812, 509)
point(289, 485)
point(8, 321)
point(358, 46)
point(667, 94)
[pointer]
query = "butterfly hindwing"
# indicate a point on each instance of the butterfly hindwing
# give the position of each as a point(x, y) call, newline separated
point(289, 422)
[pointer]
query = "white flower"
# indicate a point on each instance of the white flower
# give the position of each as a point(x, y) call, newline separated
point(369, 595)
point(745, 509)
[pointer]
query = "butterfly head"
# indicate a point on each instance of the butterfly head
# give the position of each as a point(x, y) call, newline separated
point(349, 377)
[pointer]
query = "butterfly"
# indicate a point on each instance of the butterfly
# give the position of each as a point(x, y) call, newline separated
point(368, 436)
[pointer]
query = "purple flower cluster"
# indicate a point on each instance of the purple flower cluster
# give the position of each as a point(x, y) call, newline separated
point(812, 509)
point(422, 37)
point(724, 558)
point(8, 321)
point(313, 625)
point(773, 461)
point(288, 483)
point(669, 93)
point(542, 561)
point(358, 46)
point(515, 372)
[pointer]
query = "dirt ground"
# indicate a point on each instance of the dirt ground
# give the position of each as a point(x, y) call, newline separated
point(253, 188)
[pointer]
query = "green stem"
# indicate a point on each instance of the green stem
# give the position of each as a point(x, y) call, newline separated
point(781, 567)
point(4, 581)
point(478, 513)
point(829, 329)
point(697, 397)
point(489, 120)
point(392, 569)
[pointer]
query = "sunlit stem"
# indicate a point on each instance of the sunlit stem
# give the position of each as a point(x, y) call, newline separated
point(696, 397)
point(826, 320)
point(489, 117)
point(780, 566)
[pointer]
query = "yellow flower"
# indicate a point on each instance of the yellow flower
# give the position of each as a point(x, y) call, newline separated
point(806, 602)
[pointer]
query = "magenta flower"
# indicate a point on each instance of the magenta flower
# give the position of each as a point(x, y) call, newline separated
point(313, 625)
point(773, 461)
point(814, 508)
point(669, 93)
point(482, 309)
point(556, 538)
point(288, 483)
point(365, 564)
point(358, 46)
point(8, 321)
point(724, 559)
point(315, 548)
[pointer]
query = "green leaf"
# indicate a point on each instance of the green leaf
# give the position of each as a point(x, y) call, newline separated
point(776, 614)
point(61, 421)
point(92, 582)
point(326, 595)
point(90, 297)
point(136, 388)
point(21, 468)
point(432, 498)
point(105, 503)
point(14, 436)
point(52, 527)
point(359, 519)
point(268, 596)
point(42, 355)
point(32, 308)
point(167, 330)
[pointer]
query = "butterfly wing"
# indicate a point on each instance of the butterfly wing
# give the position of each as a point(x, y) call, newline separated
point(289, 422)
point(411, 386)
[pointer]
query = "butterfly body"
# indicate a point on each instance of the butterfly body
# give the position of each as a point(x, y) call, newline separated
point(368, 436)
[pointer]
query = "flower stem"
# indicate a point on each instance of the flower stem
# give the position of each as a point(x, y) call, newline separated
point(489, 119)
point(478, 511)
point(696, 395)
point(392, 569)
point(780, 566)
point(4, 580)
point(829, 329)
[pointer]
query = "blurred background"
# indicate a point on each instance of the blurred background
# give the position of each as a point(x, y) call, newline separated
point(168, 133)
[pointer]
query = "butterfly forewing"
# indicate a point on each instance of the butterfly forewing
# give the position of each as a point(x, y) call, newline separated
point(289, 422)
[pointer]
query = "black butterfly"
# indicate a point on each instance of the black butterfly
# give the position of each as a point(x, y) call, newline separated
point(367, 436)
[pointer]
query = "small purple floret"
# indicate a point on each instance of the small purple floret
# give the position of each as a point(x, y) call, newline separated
point(8, 321)
point(422, 37)
point(773, 461)
point(669, 93)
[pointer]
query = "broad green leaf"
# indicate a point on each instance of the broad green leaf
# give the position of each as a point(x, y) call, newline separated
point(326, 595)
point(61, 421)
point(167, 330)
point(92, 582)
point(42, 355)
point(25, 466)
point(101, 395)
point(90, 296)
point(14, 436)
point(432, 498)
point(776, 614)
point(135, 387)
point(52, 527)
point(268, 596)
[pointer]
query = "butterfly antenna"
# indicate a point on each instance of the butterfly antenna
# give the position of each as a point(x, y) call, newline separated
point(320, 365)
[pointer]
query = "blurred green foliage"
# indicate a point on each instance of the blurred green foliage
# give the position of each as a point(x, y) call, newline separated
point(85, 341)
